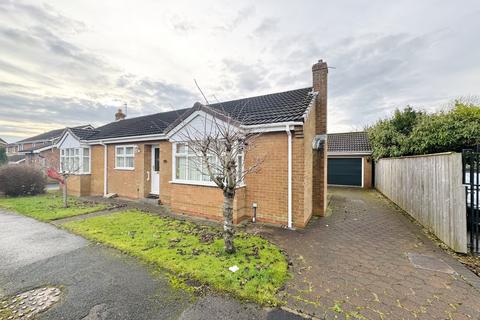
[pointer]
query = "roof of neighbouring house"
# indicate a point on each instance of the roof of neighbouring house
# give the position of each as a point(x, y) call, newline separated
point(271, 108)
point(3, 141)
point(16, 158)
point(39, 146)
point(50, 135)
point(348, 142)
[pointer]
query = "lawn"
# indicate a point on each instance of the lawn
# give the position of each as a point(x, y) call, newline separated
point(193, 252)
point(49, 206)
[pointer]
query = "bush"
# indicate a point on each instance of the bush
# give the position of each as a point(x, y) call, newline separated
point(411, 132)
point(3, 156)
point(21, 180)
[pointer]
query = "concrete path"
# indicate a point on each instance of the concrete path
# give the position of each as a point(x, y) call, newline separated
point(99, 282)
point(369, 261)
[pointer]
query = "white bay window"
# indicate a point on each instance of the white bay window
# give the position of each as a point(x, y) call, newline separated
point(75, 160)
point(191, 168)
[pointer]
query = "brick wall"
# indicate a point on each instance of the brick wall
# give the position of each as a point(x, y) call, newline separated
point(79, 185)
point(269, 186)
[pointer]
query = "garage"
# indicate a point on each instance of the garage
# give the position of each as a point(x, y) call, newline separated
point(349, 160)
point(345, 171)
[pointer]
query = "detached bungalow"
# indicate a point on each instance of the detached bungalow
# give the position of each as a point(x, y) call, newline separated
point(146, 157)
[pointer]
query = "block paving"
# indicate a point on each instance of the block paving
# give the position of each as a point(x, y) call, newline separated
point(354, 264)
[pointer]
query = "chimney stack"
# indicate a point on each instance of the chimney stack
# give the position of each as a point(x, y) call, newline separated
point(119, 115)
point(319, 73)
point(319, 160)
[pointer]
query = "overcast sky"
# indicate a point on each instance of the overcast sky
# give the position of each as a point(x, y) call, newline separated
point(66, 63)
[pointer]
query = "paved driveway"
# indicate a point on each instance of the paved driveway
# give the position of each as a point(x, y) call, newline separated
point(357, 263)
point(98, 282)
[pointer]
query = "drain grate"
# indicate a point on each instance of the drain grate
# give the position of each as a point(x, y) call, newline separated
point(422, 261)
point(27, 304)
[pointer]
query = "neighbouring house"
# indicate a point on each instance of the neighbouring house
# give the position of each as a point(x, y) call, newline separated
point(350, 160)
point(3, 143)
point(40, 150)
point(16, 159)
point(146, 157)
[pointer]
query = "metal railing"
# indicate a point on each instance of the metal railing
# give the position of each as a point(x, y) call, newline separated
point(471, 180)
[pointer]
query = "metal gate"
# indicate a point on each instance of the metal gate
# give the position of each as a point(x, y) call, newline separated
point(471, 180)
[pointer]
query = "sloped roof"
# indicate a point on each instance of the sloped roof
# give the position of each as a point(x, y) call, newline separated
point(139, 126)
point(49, 135)
point(83, 133)
point(3, 141)
point(349, 142)
point(271, 108)
point(39, 146)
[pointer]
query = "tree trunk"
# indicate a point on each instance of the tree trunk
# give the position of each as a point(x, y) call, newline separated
point(228, 230)
point(65, 199)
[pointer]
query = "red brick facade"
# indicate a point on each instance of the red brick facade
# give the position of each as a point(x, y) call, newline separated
point(267, 188)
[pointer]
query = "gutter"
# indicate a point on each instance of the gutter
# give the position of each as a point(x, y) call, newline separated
point(289, 217)
point(105, 169)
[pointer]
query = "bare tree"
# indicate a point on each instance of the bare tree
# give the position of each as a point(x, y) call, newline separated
point(219, 147)
point(68, 166)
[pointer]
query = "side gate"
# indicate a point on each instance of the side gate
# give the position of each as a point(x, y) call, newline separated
point(471, 180)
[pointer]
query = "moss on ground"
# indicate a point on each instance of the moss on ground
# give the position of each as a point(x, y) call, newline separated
point(49, 206)
point(192, 252)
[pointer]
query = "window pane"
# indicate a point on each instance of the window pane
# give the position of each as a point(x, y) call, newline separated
point(120, 151)
point(239, 167)
point(129, 162)
point(129, 150)
point(86, 164)
point(181, 148)
point(76, 164)
point(86, 152)
point(156, 158)
point(194, 168)
point(181, 168)
point(77, 152)
point(120, 162)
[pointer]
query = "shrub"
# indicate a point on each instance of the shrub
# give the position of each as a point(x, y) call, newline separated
point(411, 132)
point(3, 156)
point(21, 180)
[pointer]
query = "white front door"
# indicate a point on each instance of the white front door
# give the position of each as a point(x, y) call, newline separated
point(155, 171)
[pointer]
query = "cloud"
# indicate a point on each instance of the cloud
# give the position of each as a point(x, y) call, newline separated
point(267, 26)
point(238, 19)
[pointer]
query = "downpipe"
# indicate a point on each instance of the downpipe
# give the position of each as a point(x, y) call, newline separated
point(105, 169)
point(289, 217)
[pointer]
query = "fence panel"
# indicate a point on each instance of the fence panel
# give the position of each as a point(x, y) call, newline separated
point(430, 189)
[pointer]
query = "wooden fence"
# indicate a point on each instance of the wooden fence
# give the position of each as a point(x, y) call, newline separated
point(430, 189)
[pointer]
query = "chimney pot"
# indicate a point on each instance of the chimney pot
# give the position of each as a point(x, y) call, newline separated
point(119, 115)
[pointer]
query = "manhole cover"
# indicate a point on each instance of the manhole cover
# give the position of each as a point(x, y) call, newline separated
point(27, 304)
point(429, 263)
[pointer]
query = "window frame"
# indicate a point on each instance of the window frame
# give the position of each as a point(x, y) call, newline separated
point(195, 182)
point(124, 156)
point(81, 158)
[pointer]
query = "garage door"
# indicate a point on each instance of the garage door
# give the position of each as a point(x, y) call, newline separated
point(345, 171)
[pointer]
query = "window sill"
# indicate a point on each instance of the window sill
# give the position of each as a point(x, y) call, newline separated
point(194, 183)
point(125, 169)
point(201, 184)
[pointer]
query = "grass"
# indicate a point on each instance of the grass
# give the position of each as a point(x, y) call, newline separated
point(48, 207)
point(192, 252)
